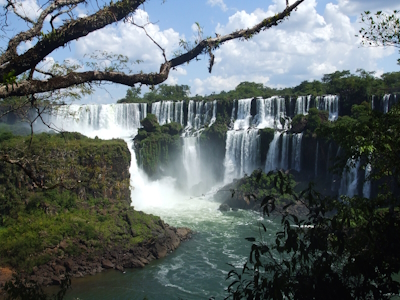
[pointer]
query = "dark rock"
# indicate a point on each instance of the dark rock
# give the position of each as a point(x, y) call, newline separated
point(119, 268)
point(56, 280)
point(106, 264)
point(224, 207)
point(58, 269)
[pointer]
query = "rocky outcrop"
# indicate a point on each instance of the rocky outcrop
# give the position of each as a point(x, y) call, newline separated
point(85, 223)
point(117, 258)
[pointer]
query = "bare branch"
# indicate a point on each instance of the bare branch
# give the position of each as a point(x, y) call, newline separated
point(28, 87)
point(145, 31)
point(11, 51)
point(72, 30)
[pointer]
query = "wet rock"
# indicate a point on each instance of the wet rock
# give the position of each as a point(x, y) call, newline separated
point(224, 207)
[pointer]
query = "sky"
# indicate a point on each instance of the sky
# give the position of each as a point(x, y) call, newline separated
point(317, 39)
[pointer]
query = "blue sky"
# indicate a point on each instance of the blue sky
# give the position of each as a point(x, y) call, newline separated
point(318, 38)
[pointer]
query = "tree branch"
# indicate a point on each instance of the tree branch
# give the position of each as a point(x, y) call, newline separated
point(11, 51)
point(28, 87)
point(70, 31)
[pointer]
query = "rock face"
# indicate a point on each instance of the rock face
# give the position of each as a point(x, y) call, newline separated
point(117, 258)
point(84, 228)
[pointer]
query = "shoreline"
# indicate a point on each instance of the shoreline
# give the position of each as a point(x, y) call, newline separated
point(91, 263)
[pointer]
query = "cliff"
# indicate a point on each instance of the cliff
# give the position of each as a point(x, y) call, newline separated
point(65, 207)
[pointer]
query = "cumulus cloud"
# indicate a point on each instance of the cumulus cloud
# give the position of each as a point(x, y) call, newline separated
point(219, 3)
point(29, 8)
point(221, 83)
point(356, 7)
point(304, 47)
point(129, 40)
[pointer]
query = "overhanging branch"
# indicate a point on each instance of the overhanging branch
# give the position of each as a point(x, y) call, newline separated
point(28, 87)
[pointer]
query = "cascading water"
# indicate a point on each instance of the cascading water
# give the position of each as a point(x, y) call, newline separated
point(242, 144)
point(201, 113)
point(105, 121)
point(349, 182)
point(199, 267)
point(296, 151)
point(270, 111)
point(191, 161)
point(385, 103)
point(329, 103)
point(367, 182)
point(302, 105)
point(242, 153)
point(271, 163)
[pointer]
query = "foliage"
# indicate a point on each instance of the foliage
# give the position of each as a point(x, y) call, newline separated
point(91, 208)
point(157, 145)
point(19, 289)
point(343, 249)
point(381, 29)
point(161, 92)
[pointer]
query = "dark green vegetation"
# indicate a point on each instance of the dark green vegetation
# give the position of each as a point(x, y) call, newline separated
point(66, 190)
point(157, 146)
point(352, 88)
point(344, 248)
point(161, 92)
point(245, 193)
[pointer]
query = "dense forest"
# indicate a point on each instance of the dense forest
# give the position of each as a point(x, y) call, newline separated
point(359, 87)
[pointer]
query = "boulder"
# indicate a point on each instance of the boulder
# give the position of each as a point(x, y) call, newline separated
point(106, 264)
point(224, 207)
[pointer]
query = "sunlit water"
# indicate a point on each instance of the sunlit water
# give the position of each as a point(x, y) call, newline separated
point(198, 268)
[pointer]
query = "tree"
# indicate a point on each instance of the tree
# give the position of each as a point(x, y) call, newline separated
point(345, 248)
point(24, 66)
point(381, 29)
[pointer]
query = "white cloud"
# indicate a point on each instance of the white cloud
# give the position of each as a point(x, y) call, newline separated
point(28, 8)
point(356, 7)
point(304, 47)
point(129, 40)
point(219, 3)
point(220, 83)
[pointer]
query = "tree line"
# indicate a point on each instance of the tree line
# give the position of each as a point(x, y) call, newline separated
point(355, 88)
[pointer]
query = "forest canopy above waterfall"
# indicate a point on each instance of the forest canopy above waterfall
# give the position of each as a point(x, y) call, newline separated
point(357, 87)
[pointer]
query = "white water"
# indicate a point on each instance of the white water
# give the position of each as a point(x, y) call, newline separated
point(296, 151)
point(191, 161)
point(329, 103)
point(349, 182)
point(302, 105)
point(270, 111)
point(367, 182)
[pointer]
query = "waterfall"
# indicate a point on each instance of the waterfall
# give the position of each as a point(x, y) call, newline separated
point(349, 182)
point(106, 121)
point(367, 182)
point(243, 114)
point(168, 111)
point(191, 160)
point(296, 151)
point(301, 105)
point(385, 103)
point(271, 162)
point(201, 113)
point(241, 154)
point(270, 111)
point(329, 103)
point(284, 162)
